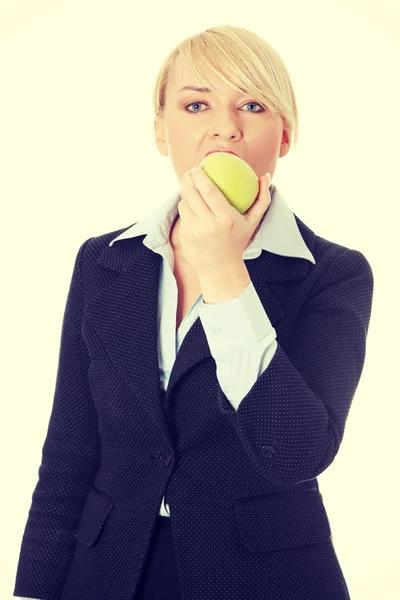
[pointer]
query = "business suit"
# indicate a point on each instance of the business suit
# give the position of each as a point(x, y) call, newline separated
point(247, 516)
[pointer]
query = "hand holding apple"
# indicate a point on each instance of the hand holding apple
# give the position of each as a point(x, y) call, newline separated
point(214, 233)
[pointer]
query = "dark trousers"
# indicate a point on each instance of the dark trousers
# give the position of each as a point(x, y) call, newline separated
point(160, 579)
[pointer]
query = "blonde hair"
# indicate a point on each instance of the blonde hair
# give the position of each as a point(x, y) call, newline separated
point(243, 60)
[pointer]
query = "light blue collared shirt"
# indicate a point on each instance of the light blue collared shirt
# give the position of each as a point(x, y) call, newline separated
point(241, 338)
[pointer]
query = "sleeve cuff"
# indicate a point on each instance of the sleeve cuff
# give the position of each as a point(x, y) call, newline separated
point(237, 324)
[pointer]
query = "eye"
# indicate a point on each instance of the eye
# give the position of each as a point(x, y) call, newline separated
point(247, 103)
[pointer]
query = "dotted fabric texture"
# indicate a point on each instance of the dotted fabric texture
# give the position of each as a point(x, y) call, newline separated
point(247, 516)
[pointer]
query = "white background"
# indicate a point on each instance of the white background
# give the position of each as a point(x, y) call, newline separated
point(78, 159)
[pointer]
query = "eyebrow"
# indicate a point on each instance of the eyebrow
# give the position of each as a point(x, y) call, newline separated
point(202, 90)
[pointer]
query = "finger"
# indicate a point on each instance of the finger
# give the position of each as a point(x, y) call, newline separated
point(261, 203)
point(264, 194)
point(212, 196)
point(193, 196)
point(185, 211)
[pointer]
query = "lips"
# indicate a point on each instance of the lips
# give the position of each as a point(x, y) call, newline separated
point(218, 150)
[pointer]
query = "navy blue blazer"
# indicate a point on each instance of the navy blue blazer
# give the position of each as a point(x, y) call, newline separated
point(247, 516)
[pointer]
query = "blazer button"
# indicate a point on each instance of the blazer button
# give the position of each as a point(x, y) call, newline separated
point(164, 457)
point(268, 451)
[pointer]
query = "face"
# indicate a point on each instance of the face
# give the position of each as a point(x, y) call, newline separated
point(196, 122)
point(231, 119)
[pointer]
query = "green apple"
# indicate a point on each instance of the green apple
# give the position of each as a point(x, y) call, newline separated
point(234, 177)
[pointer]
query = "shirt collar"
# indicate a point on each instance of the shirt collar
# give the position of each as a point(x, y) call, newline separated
point(278, 232)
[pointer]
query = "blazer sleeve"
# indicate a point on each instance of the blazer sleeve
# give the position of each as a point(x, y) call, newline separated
point(70, 459)
point(291, 423)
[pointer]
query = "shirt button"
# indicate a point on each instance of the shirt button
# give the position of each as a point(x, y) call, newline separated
point(268, 451)
point(164, 457)
point(216, 329)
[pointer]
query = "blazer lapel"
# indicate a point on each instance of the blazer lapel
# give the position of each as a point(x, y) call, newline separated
point(123, 315)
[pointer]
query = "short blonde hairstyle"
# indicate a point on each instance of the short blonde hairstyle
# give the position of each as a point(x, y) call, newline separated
point(243, 60)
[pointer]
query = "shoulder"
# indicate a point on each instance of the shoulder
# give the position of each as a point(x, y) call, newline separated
point(94, 246)
point(100, 242)
point(328, 253)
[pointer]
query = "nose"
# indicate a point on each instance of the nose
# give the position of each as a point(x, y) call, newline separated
point(225, 127)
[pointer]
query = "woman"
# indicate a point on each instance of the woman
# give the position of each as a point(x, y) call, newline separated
point(193, 413)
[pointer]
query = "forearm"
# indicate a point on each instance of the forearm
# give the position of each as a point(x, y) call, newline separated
point(224, 283)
